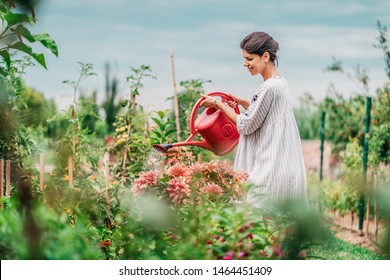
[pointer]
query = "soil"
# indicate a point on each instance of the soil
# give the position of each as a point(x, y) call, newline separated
point(343, 229)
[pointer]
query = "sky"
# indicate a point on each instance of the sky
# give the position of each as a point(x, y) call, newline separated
point(205, 36)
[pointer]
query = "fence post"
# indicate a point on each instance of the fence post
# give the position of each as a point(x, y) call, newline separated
point(70, 170)
point(106, 162)
point(41, 171)
point(175, 98)
point(8, 178)
point(322, 136)
point(365, 161)
point(1, 181)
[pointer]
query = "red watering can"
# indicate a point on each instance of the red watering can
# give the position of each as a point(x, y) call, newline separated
point(219, 134)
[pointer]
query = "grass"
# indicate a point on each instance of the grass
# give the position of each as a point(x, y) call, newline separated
point(332, 248)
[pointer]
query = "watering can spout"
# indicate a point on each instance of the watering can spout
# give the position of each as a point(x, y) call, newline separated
point(162, 148)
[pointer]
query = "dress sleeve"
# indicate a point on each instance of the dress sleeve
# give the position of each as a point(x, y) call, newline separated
point(254, 117)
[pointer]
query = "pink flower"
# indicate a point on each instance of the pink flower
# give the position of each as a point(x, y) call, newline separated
point(228, 256)
point(138, 189)
point(178, 170)
point(240, 176)
point(249, 235)
point(195, 168)
point(178, 190)
point(144, 181)
point(277, 251)
point(189, 156)
point(211, 188)
point(225, 166)
point(243, 254)
point(149, 178)
point(209, 167)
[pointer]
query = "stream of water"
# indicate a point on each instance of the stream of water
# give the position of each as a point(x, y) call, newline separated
point(154, 161)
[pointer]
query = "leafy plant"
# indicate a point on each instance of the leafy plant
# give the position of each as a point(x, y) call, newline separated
point(76, 141)
point(164, 127)
point(13, 32)
point(131, 134)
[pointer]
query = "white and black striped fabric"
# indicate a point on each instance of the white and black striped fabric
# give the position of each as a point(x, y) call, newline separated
point(270, 148)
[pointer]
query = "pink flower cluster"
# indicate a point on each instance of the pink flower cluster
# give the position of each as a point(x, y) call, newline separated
point(184, 178)
point(211, 188)
point(144, 181)
point(178, 170)
point(178, 190)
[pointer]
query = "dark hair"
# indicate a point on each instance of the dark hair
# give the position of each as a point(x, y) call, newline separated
point(259, 43)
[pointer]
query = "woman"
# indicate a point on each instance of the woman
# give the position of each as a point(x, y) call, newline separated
point(269, 147)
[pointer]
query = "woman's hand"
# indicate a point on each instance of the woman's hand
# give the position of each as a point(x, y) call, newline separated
point(232, 103)
point(237, 101)
point(208, 101)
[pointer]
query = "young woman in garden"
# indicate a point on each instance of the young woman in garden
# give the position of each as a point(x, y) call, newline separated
point(269, 147)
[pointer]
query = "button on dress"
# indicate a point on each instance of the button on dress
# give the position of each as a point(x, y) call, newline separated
point(269, 147)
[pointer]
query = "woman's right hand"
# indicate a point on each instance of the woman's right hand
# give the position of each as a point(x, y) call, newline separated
point(234, 102)
point(237, 101)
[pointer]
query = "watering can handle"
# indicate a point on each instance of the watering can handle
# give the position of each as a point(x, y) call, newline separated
point(225, 97)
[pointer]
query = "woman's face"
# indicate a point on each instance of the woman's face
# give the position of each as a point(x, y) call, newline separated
point(254, 62)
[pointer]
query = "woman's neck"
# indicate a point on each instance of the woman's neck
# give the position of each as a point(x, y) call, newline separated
point(270, 72)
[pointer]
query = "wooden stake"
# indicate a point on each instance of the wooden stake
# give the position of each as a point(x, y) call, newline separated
point(376, 215)
point(1, 181)
point(368, 188)
point(70, 171)
point(123, 177)
point(368, 215)
point(199, 158)
point(41, 171)
point(175, 99)
point(108, 197)
point(8, 178)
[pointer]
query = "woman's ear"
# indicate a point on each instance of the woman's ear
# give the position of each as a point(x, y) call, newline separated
point(266, 56)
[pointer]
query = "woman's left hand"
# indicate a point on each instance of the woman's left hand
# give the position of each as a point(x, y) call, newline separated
point(208, 101)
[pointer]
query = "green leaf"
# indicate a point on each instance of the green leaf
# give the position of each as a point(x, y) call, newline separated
point(157, 133)
point(3, 9)
point(3, 71)
point(20, 46)
point(6, 58)
point(43, 38)
point(23, 31)
point(161, 114)
point(170, 132)
point(48, 42)
point(13, 19)
point(40, 58)
point(157, 121)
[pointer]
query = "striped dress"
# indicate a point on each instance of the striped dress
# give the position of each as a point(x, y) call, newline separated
point(270, 148)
